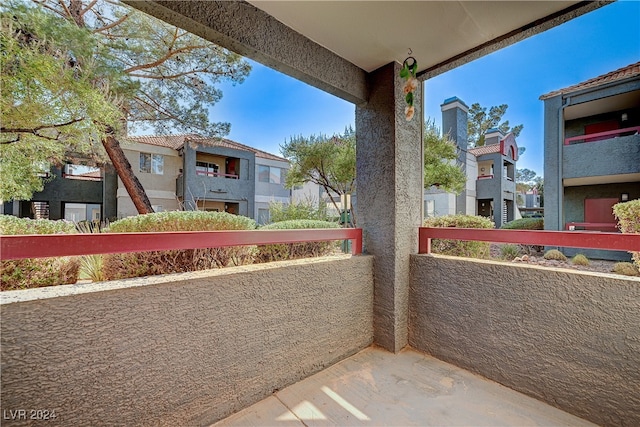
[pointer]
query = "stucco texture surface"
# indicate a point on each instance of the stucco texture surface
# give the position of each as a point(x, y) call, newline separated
point(389, 170)
point(185, 349)
point(571, 339)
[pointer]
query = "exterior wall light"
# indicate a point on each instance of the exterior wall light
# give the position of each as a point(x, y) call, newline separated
point(625, 117)
point(624, 197)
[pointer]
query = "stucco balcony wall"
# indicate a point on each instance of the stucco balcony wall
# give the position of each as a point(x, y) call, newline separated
point(612, 157)
point(183, 349)
point(487, 188)
point(570, 339)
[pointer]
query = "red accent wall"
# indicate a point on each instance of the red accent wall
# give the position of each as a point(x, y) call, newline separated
point(599, 210)
point(600, 127)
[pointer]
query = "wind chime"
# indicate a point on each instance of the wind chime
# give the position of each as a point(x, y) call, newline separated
point(408, 72)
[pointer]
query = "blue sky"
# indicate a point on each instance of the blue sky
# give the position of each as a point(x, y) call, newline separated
point(269, 107)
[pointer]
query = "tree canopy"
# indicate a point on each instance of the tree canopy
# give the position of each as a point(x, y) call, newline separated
point(78, 73)
point(329, 162)
point(440, 161)
point(480, 122)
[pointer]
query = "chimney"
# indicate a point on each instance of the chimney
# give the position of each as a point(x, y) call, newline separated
point(454, 121)
point(493, 136)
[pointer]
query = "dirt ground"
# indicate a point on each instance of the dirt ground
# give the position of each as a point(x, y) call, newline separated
point(535, 257)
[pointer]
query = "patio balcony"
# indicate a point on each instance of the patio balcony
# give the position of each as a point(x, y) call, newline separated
point(194, 348)
point(617, 157)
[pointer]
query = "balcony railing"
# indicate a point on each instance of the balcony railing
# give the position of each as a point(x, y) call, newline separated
point(53, 245)
point(593, 137)
point(56, 245)
point(570, 239)
point(217, 174)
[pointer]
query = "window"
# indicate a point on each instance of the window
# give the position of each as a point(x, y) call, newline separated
point(269, 174)
point(82, 212)
point(152, 163)
point(275, 175)
point(206, 169)
point(263, 173)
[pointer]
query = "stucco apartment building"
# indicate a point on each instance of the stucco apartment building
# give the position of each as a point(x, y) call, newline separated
point(80, 190)
point(592, 150)
point(490, 170)
point(189, 172)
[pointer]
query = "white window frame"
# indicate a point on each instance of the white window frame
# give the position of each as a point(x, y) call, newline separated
point(153, 163)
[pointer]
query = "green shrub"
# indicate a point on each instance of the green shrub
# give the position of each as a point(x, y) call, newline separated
point(625, 268)
point(509, 252)
point(580, 259)
point(91, 265)
point(36, 272)
point(555, 254)
point(524, 224)
point(280, 252)
point(305, 209)
point(459, 247)
point(119, 266)
point(628, 214)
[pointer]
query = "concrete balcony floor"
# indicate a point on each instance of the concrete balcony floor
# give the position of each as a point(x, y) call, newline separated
point(378, 388)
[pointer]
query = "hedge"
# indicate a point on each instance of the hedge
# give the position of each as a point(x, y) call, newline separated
point(280, 252)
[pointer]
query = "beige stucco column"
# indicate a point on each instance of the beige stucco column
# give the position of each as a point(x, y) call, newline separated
point(389, 190)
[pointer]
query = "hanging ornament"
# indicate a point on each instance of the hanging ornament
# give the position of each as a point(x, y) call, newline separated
point(408, 72)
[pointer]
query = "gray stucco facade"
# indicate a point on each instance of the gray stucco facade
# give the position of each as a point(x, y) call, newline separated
point(599, 168)
point(490, 172)
point(180, 349)
point(567, 338)
point(60, 191)
point(197, 189)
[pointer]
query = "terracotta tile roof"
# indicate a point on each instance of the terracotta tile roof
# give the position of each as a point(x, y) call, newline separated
point(614, 76)
point(485, 149)
point(169, 141)
point(177, 141)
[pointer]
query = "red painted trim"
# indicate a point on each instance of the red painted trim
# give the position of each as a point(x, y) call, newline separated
point(567, 141)
point(571, 239)
point(55, 245)
point(485, 176)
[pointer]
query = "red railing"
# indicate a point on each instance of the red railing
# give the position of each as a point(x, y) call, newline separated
point(592, 137)
point(570, 239)
point(55, 245)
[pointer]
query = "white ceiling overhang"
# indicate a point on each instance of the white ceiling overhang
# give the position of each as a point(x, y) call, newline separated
point(440, 34)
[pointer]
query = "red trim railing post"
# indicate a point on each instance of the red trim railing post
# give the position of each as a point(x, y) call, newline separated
point(424, 242)
point(356, 242)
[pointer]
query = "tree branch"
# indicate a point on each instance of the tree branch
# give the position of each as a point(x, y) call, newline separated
point(88, 8)
point(113, 24)
point(173, 76)
point(46, 6)
point(37, 128)
point(169, 55)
